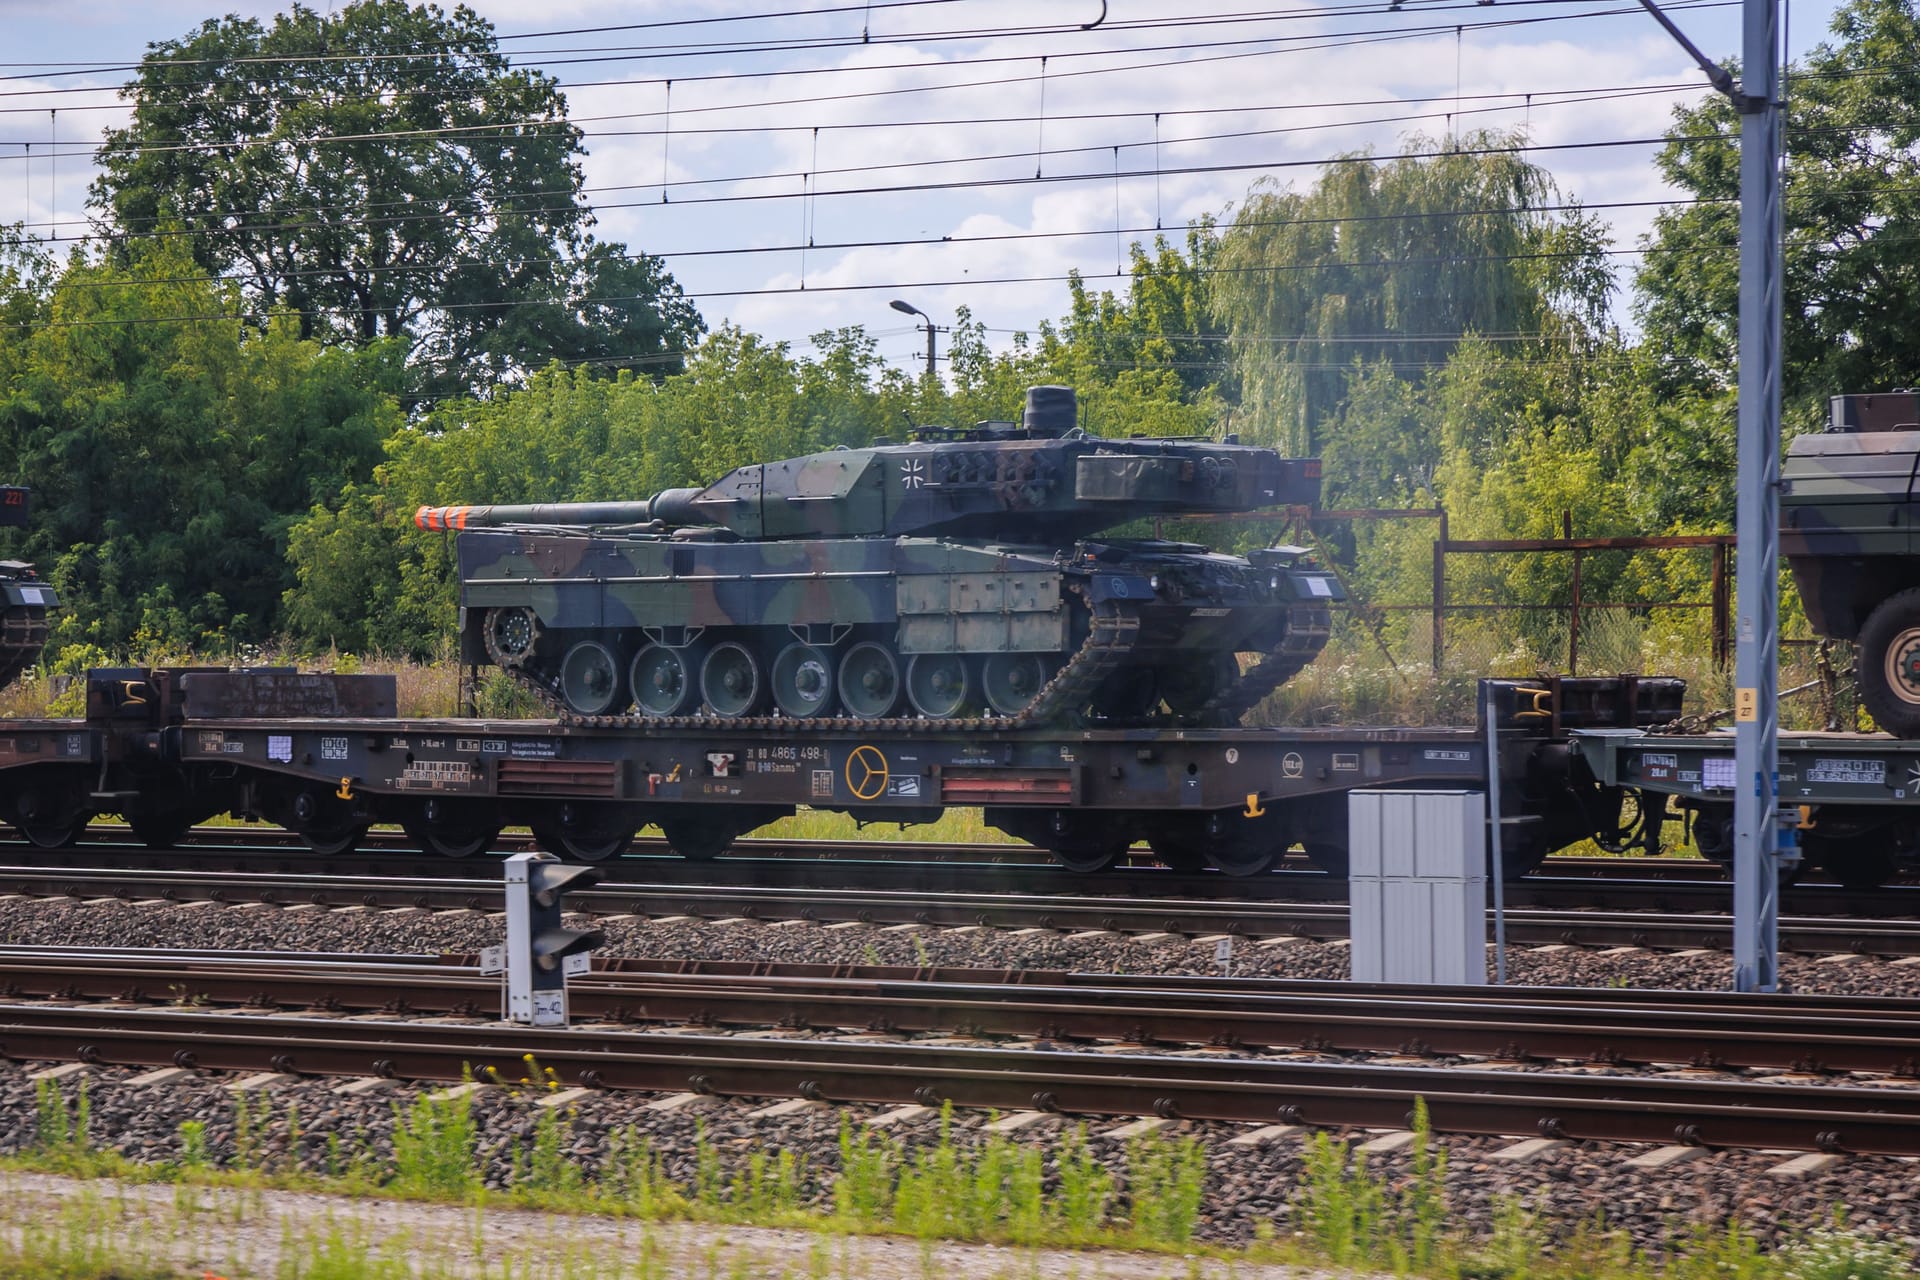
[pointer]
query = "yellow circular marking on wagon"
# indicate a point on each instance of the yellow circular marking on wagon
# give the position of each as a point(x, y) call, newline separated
point(866, 773)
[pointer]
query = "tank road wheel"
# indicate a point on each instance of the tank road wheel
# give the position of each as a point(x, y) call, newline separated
point(870, 681)
point(451, 829)
point(664, 681)
point(803, 680)
point(1889, 665)
point(511, 634)
point(938, 685)
point(1011, 681)
point(590, 679)
point(730, 680)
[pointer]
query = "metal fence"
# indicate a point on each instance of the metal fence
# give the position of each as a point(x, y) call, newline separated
point(1567, 605)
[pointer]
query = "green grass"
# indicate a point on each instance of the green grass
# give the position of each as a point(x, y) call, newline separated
point(946, 1187)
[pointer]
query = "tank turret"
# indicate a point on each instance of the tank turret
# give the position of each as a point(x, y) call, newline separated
point(958, 574)
point(1041, 480)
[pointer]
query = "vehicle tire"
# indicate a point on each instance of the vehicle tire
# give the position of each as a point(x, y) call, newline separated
point(1888, 668)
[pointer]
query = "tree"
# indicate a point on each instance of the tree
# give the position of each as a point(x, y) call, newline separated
point(384, 171)
point(1852, 214)
point(1398, 260)
point(171, 449)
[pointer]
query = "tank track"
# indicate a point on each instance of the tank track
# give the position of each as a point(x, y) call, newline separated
point(1110, 639)
point(1309, 627)
point(23, 633)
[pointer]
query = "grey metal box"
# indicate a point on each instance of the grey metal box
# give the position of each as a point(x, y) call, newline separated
point(1417, 888)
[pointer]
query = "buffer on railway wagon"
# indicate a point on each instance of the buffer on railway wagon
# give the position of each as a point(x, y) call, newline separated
point(541, 951)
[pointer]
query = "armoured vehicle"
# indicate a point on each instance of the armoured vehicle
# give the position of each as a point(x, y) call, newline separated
point(955, 575)
point(24, 599)
point(1850, 529)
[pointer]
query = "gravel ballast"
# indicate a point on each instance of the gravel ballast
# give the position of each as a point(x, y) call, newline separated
point(1247, 1186)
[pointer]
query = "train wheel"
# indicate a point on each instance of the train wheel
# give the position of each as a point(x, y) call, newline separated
point(328, 824)
point(159, 830)
point(582, 833)
point(698, 837)
point(53, 835)
point(938, 685)
point(1889, 667)
point(334, 841)
point(49, 813)
point(663, 681)
point(870, 681)
point(590, 679)
point(803, 680)
point(730, 680)
point(439, 828)
point(1092, 855)
point(1011, 681)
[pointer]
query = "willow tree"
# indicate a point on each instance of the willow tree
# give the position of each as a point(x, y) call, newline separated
point(1393, 261)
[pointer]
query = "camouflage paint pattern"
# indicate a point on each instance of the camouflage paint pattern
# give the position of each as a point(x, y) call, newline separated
point(1849, 509)
point(977, 543)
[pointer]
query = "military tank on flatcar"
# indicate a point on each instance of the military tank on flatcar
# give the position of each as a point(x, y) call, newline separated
point(1850, 531)
point(25, 601)
point(956, 575)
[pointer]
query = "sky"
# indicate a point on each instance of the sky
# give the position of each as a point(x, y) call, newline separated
point(965, 153)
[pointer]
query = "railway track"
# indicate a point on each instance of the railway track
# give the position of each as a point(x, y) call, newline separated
point(1621, 884)
point(1122, 1079)
point(1785, 1033)
point(1526, 926)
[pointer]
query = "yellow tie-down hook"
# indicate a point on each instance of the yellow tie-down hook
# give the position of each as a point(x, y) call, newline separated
point(1254, 808)
point(1542, 708)
point(346, 789)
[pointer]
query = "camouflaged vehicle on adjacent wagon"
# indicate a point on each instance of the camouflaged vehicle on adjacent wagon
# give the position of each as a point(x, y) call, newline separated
point(25, 601)
point(956, 575)
point(1850, 530)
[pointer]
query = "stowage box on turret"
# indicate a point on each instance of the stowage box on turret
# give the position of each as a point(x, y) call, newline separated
point(1850, 529)
point(955, 575)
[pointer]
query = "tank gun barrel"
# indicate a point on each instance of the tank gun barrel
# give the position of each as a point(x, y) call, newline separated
point(673, 507)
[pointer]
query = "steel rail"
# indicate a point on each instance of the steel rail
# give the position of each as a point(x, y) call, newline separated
point(1614, 1108)
point(1533, 926)
point(1535, 1024)
point(1562, 884)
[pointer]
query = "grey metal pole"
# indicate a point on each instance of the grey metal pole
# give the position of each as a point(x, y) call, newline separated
point(1757, 831)
point(1496, 861)
point(930, 332)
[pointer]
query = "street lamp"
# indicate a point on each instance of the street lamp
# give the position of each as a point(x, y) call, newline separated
point(907, 308)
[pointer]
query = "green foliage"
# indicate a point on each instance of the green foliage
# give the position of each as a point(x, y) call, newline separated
point(62, 1134)
point(1836, 1254)
point(1396, 261)
point(1852, 268)
point(1357, 1218)
point(433, 1147)
point(368, 189)
point(114, 412)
